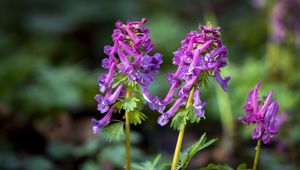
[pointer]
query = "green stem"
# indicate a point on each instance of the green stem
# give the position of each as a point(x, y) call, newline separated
point(127, 132)
point(181, 134)
point(257, 149)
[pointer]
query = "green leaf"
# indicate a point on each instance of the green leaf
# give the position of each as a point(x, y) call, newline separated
point(130, 83)
point(118, 105)
point(204, 77)
point(136, 117)
point(242, 166)
point(137, 93)
point(148, 165)
point(179, 120)
point(123, 79)
point(190, 152)
point(118, 80)
point(212, 166)
point(129, 104)
point(191, 115)
point(113, 132)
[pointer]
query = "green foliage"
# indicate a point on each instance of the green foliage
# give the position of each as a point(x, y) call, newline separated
point(89, 165)
point(204, 79)
point(123, 79)
point(186, 156)
point(37, 163)
point(113, 132)
point(148, 165)
point(242, 166)
point(136, 117)
point(181, 118)
point(118, 80)
point(130, 103)
point(59, 150)
point(212, 166)
point(133, 105)
point(11, 161)
point(116, 155)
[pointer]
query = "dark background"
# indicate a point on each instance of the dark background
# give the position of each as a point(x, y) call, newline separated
point(51, 52)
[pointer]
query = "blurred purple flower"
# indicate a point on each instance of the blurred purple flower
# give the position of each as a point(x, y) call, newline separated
point(264, 115)
point(129, 55)
point(285, 20)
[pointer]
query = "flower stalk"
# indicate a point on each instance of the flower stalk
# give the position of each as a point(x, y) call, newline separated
point(181, 134)
point(127, 132)
point(257, 149)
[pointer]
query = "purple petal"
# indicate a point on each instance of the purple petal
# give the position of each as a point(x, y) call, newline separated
point(175, 107)
point(105, 63)
point(115, 95)
point(162, 120)
point(98, 124)
point(254, 97)
point(107, 49)
point(257, 132)
point(129, 50)
point(170, 94)
point(262, 111)
point(198, 104)
point(111, 73)
point(222, 82)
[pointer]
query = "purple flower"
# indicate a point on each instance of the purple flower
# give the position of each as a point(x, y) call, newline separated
point(223, 82)
point(198, 104)
point(264, 115)
point(285, 21)
point(200, 53)
point(98, 124)
point(128, 57)
point(104, 102)
point(164, 119)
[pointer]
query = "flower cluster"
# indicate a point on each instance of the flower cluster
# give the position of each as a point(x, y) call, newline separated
point(128, 56)
point(285, 20)
point(201, 54)
point(264, 115)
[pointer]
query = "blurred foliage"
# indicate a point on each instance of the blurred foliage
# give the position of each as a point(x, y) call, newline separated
point(50, 59)
point(149, 165)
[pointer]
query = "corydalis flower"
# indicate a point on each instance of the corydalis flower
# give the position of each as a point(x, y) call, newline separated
point(200, 53)
point(263, 115)
point(128, 56)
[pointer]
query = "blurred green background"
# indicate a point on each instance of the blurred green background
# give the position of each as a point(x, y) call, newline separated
point(51, 52)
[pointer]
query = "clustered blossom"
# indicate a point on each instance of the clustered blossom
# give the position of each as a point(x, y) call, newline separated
point(264, 115)
point(129, 55)
point(200, 52)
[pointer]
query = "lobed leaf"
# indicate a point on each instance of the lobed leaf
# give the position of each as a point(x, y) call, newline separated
point(179, 120)
point(136, 117)
point(130, 103)
point(113, 132)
